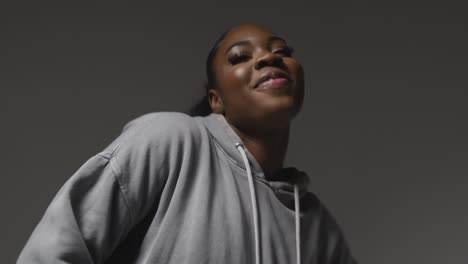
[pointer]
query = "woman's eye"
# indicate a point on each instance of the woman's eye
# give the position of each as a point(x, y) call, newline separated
point(286, 51)
point(238, 58)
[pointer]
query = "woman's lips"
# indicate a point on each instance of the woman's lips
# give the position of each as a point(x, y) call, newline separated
point(274, 83)
point(272, 75)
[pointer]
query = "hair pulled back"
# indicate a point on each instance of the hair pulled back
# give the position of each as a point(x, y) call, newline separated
point(203, 107)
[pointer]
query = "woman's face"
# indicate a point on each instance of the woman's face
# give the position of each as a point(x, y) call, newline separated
point(258, 82)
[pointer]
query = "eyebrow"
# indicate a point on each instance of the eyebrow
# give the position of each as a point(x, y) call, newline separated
point(248, 42)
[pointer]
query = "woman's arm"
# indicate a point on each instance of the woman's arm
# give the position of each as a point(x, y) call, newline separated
point(86, 219)
point(97, 207)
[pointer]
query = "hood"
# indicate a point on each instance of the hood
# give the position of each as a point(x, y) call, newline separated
point(283, 185)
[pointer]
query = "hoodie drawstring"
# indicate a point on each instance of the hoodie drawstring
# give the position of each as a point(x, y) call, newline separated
point(253, 200)
point(298, 223)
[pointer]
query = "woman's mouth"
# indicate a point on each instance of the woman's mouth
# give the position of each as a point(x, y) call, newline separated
point(274, 83)
point(273, 79)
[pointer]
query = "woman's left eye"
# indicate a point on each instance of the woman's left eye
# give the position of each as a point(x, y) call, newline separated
point(238, 58)
point(286, 51)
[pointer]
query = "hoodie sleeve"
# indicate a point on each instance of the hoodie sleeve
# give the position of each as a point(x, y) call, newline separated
point(85, 219)
point(97, 207)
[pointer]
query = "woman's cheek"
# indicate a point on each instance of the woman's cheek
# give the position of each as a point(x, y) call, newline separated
point(242, 76)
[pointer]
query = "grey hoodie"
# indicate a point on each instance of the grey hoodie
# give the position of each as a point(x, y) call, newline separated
point(178, 189)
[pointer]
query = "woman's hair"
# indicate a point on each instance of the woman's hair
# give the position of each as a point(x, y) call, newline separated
point(203, 107)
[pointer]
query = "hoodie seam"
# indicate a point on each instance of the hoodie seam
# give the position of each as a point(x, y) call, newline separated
point(115, 173)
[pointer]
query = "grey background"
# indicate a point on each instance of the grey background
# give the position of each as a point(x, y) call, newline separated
point(382, 132)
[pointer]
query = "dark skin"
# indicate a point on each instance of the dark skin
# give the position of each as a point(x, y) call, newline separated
point(260, 114)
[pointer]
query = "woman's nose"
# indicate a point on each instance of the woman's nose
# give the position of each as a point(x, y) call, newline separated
point(269, 59)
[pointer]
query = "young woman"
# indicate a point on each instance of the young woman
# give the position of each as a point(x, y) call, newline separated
point(205, 188)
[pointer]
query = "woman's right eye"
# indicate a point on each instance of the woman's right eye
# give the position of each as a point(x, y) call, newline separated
point(238, 58)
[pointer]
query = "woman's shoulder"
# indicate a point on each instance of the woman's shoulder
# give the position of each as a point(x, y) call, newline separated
point(161, 120)
point(162, 124)
point(159, 128)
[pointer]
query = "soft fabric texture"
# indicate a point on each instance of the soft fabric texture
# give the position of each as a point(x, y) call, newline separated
point(175, 189)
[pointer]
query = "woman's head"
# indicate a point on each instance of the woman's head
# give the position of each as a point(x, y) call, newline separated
point(253, 78)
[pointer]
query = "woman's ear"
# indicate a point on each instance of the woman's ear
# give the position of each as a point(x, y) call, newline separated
point(216, 102)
